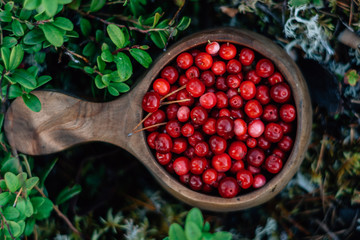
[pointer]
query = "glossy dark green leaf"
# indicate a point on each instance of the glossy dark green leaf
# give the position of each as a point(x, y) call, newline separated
point(196, 217)
point(159, 39)
point(72, 34)
point(9, 42)
point(207, 236)
point(44, 210)
point(14, 228)
point(12, 182)
point(124, 66)
point(141, 56)
point(88, 70)
point(53, 34)
point(32, 102)
point(17, 28)
point(11, 213)
point(176, 232)
point(29, 226)
point(192, 231)
point(101, 64)
point(29, 209)
point(4, 198)
point(16, 57)
point(34, 37)
point(43, 80)
point(37, 202)
point(113, 91)
point(89, 49)
point(99, 35)
point(24, 78)
point(116, 35)
point(120, 87)
point(5, 56)
point(31, 4)
point(25, 14)
point(206, 227)
point(96, 5)
point(222, 236)
point(99, 83)
point(63, 23)
point(184, 23)
point(50, 6)
point(14, 91)
point(85, 27)
point(68, 193)
point(107, 56)
point(5, 16)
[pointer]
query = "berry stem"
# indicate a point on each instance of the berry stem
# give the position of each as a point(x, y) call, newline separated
point(142, 129)
point(175, 91)
point(147, 116)
point(176, 101)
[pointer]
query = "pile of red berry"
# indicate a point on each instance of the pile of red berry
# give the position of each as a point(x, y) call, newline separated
point(221, 119)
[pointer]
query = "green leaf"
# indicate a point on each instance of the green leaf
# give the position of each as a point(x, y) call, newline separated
point(15, 229)
point(12, 182)
point(99, 83)
point(17, 28)
point(88, 70)
point(89, 49)
point(99, 35)
point(31, 182)
point(298, 3)
point(44, 210)
point(196, 217)
point(124, 66)
point(53, 34)
point(159, 39)
point(141, 56)
point(37, 202)
point(5, 17)
point(47, 171)
point(32, 102)
point(24, 78)
point(206, 227)
point(207, 236)
point(5, 56)
point(107, 56)
point(29, 209)
point(176, 232)
point(29, 226)
point(31, 4)
point(85, 27)
point(157, 17)
point(50, 6)
point(192, 231)
point(2, 116)
point(22, 178)
point(11, 213)
point(63, 23)
point(16, 57)
point(72, 34)
point(222, 236)
point(22, 226)
point(113, 91)
point(68, 193)
point(14, 91)
point(96, 5)
point(101, 64)
point(64, 1)
point(34, 37)
point(184, 23)
point(4, 198)
point(9, 42)
point(43, 80)
point(25, 14)
point(120, 87)
point(9, 6)
point(116, 35)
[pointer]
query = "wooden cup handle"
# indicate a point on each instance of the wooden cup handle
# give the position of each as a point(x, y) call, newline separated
point(64, 121)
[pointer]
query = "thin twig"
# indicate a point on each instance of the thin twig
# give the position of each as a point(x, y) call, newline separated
point(147, 116)
point(7, 225)
point(142, 129)
point(175, 91)
point(76, 55)
point(17, 197)
point(322, 152)
point(176, 101)
point(351, 12)
point(326, 229)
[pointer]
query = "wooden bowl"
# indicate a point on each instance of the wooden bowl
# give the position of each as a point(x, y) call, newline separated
point(65, 121)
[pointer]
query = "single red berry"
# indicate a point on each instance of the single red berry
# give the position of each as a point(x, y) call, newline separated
point(232, 81)
point(240, 127)
point(195, 52)
point(237, 166)
point(224, 127)
point(236, 113)
point(172, 97)
point(244, 178)
point(263, 94)
point(209, 176)
point(197, 165)
point(278, 152)
point(151, 102)
point(209, 126)
point(280, 92)
point(253, 108)
point(170, 74)
point(233, 66)
point(163, 143)
point(222, 100)
point(185, 60)
point(201, 149)
point(195, 183)
point(217, 144)
point(203, 61)
point(231, 92)
point(220, 84)
point(270, 113)
point(253, 170)
point(185, 179)
point(251, 142)
point(227, 51)
point(255, 157)
point(151, 139)
point(221, 176)
point(247, 90)
point(183, 80)
point(163, 158)
point(236, 102)
point(253, 77)
point(195, 87)
point(156, 117)
point(161, 86)
point(273, 164)
point(171, 111)
point(184, 94)
point(259, 181)
point(275, 78)
point(170, 168)
point(285, 143)
point(212, 48)
point(224, 112)
point(263, 143)
point(264, 68)
point(256, 128)
point(198, 115)
point(207, 188)
point(183, 113)
point(287, 113)
point(247, 56)
point(190, 152)
point(208, 78)
point(181, 166)
point(218, 68)
point(179, 145)
point(273, 132)
point(195, 138)
point(187, 130)
point(208, 100)
point(221, 162)
point(173, 128)
point(237, 150)
point(228, 187)
point(287, 127)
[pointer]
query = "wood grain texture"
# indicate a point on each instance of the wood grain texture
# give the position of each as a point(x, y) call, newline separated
point(65, 121)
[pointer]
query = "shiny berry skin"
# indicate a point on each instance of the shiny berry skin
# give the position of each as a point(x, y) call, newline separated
point(259, 181)
point(185, 60)
point(251, 142)
point(151, 139)
point(253, 77)
point(183, 80)
point(232, 81)
point(263, 143)
point(209, 176)
point(278, 152)
point(236, 102)
point(195, 52)
point(231, 93)
point(195, 87)
point(173, 128)
point(264, 68)
point(270, 113)
point(207, 188)
point(203, 61)
point(273, 164)
point(222, 100)
point(187, 130)
point(237, 150)
point(221, 162)
point(244, 178)
point(237, 166)
point(263, 94)
point(163, 158)
point(220, 84)
point(156, 117)
point(190, 152)
point(240, 127)
point(183, 114)
point(273, 132)
point(198, 115)
point(185, 178)
point(212, 48)
point(247, 56)
point(228, 187)
point(218, 68)
point(169, 168)
point(196, 183)
point(256, 128)
point(192, 72)
point(171, 111)
point(151, 102)
point(170, 74)
point(163, 143)
point(179, 145)
point(287, 127)
point(161, 86)
point(209, 126)
point(208, 100)
point(208, 78)
point(184, 94)
point(285, 143)
point(181, 166)
point(217, 144)
point(224, 126)
point(253, 170)
point(172, 97)
point(201, 149)
point(224, 112)
point(287, 113)
point(275, 78)
point(227, 51)
point(247, 90)
point(253, 109)
point(195, 138)
point(280, 92)
point(255, 157)
point(233, 66)
point(197, 165)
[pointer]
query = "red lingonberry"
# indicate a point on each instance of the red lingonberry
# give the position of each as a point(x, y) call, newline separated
point(173, 128)
point(170, 73)
point(247, 90)
point(208, 100)
point(151, 102)
point(255, 157)
point(227, 51)
point(195, 87)
point(163, 143)
point(247, 56)
point(203, 61)
point(253, 109)
point(197, 165)
point(273, 164)
point(285, 143)
point(270, 113)
point(218, 68)
point(233, 66)
point(275, 78)
point(259, 181)
point(181, 166)
point(217, 144)
point(187, 130)
point(228, 187)
point(183, 113)
point(256, 128)
point(253, 77)
point(287, 113)
point(251, 142)
point(273, 132)
point(212, 48)
point(179, 145)
point(208, 78)
point(264, 68)
point(209, 176)
point(280, 92)
point(163, 158)
point(244, 178)
point(237, 150)
point(185, 60)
